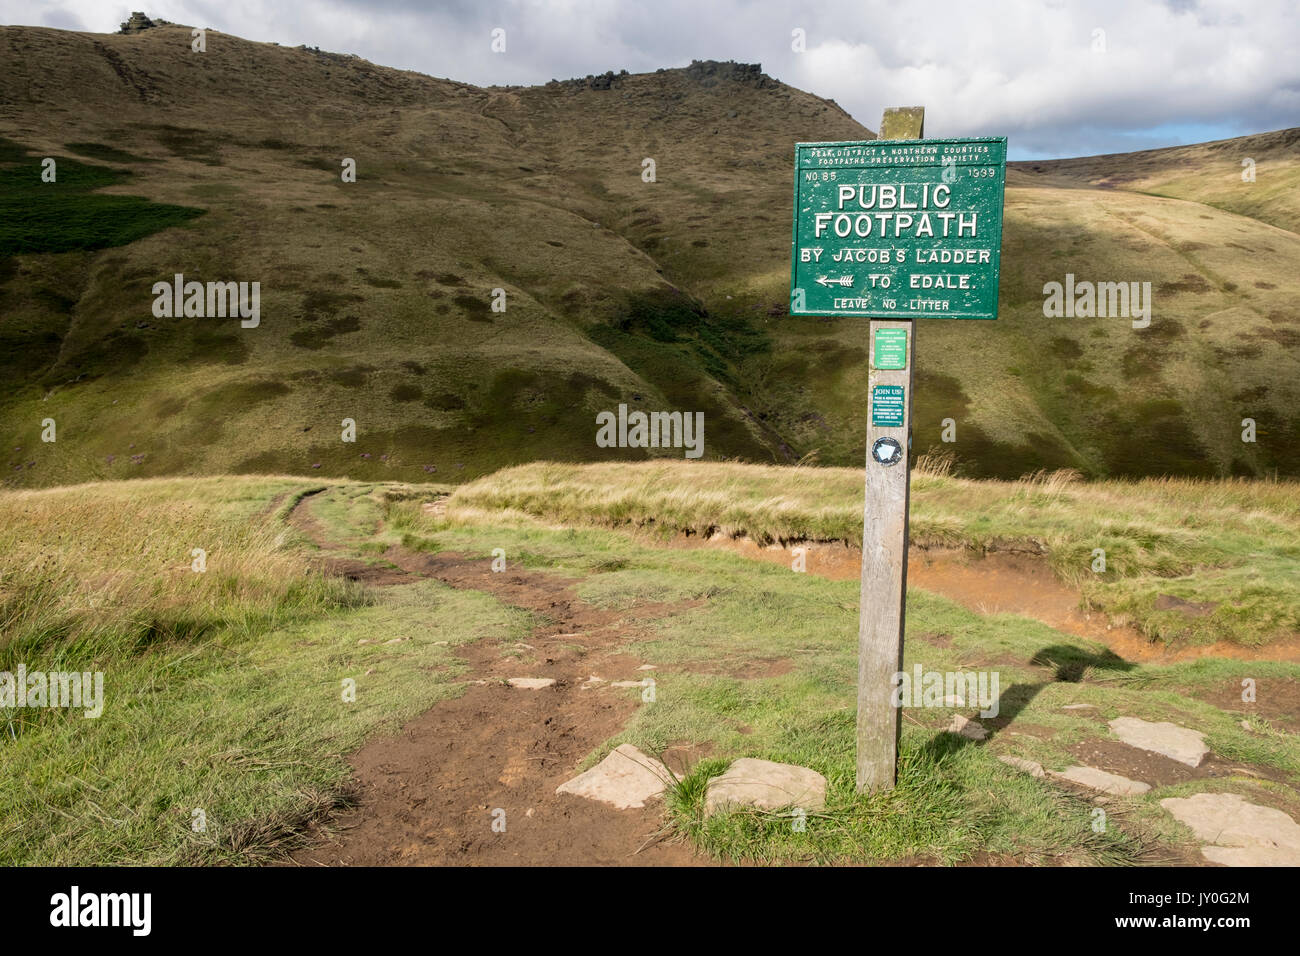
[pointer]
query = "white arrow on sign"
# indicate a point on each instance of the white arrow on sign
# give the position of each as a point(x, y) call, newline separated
point(846, 281)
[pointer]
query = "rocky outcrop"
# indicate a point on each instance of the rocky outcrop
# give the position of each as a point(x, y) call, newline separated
point(139, 22)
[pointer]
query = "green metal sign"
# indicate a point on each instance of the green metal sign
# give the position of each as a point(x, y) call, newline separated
point(887, 406)
point(890, 352)
point(897, 229)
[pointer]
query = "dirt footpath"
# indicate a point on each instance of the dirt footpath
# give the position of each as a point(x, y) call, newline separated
point(428, 794)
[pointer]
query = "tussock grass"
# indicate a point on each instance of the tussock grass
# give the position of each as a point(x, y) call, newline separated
point(1229, 544)
point(102, 571)
point(221, 689)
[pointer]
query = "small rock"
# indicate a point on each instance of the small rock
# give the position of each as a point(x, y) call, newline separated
point(1241, 833)
point(647, 667)
point(530, 683)
point(767, 786)
point(1030, 767)
point(630, 683)
point(592, 681)
point(1177, 743)
point(1100, 780)
point(970, 729)
point(1078, 707)
point(396, 640)
point(625, 779)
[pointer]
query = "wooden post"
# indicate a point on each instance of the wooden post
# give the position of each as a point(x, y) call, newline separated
point(884, 532)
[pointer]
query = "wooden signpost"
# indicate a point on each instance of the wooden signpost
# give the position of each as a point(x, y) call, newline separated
point(891, 229)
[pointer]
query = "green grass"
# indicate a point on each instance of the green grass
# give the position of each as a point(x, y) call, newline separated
point(238, 713)
point(68, 214)
point(665, 296)
point(1229, 543)
point(758, 661)
point(106, 571)
point(241, 715)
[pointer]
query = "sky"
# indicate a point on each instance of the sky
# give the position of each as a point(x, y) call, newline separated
point(1058, 78)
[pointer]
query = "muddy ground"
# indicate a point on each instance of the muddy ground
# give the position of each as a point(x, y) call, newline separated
point(428, 794)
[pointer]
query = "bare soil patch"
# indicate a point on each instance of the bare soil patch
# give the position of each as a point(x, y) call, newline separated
point(999, 582)
point(1277, 700)
point(1160, 771)
point(428, 795)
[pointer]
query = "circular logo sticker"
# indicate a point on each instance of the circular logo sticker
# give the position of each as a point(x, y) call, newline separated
point(886, 451)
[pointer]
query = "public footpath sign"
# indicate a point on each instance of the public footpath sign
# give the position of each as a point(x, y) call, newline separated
point(898, 228)
point(891, 230)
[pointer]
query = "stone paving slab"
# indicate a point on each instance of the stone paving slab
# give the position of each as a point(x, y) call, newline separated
point(1177, 743)
point(767, 786)
point(625, 779)
point(1239, 833)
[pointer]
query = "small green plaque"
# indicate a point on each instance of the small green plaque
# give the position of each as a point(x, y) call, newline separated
point(891, 349)
point(887, 406)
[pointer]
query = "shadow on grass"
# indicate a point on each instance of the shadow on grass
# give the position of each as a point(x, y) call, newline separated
point(1069, 665)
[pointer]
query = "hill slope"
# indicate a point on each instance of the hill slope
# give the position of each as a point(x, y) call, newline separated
point(376, 296)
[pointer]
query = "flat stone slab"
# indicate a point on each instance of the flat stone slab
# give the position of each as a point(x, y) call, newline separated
point(631, 683)
point(1177, 743)
point(625, 779)
point(1241, 833)
point(765, 785)
point(1031, 767)
point(1100, 780)
point(970, 729)
point(530, 683)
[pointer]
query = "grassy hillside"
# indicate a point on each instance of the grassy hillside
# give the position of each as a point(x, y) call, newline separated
point(376, 296)
point(1208, 173)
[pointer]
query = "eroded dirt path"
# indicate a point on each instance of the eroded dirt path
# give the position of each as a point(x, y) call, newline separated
point(428, 795)
point(1001, 583)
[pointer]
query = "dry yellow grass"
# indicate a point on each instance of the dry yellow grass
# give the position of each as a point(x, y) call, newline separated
point(1229, 543)
point(115, 562)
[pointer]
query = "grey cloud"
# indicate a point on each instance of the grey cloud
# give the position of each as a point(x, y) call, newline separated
point(1019, 67)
